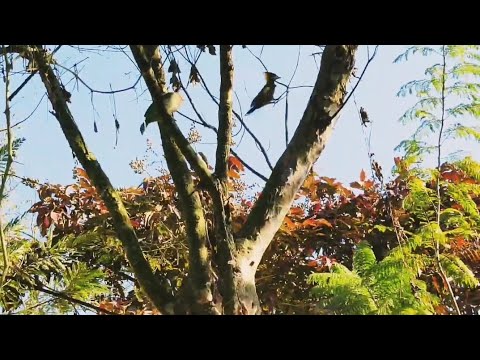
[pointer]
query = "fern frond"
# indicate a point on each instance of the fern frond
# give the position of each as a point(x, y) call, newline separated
point(363, 259)
point(458, 271)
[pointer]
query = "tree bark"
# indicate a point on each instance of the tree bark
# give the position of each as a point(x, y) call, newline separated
point(200, 275)
point(293, 166)
point(237, 257)
point(121, 221)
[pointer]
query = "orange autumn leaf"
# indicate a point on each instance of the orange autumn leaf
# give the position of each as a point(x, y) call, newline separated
point(310, 183)
point(234, 161)
point(233, 174)
point(323, 222)
point(362, 175)
point(452, 176)
point(441, 310)
point(289, 223)
point(316, 223)
point(296, 211)
point(368, 184)
point(81, 173)
point(309, 222)
point(356, 185)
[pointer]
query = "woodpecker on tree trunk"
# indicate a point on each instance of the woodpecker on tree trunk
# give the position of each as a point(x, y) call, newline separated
point(172, 102)
point(265, 96)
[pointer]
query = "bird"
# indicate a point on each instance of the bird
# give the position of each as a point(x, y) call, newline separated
point(364, 117)
point(172, 102)
point(265, 96)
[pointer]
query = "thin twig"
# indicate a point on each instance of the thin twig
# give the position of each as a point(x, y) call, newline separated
point(207, 125)
point(70, 299)
point(77, 77)
point(370, 59)
point(286, 96)
point(256, 57)
point(258, 143)
point(28, 117)
point(215, 100)
point(3, 240)
point(439, 164)
point(264, 178)
point(25, 82)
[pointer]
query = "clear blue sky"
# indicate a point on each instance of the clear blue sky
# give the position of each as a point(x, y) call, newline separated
point(46, 155)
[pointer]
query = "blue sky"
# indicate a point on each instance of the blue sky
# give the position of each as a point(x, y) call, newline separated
point(46, 155)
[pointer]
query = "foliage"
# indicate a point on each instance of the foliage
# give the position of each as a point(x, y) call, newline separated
point(448, 94)
point(322, 230)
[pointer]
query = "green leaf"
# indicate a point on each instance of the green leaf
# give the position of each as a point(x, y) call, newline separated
point(363, 259)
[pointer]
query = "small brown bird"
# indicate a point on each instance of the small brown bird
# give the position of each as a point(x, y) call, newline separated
point(265, 96)
point(364, 116)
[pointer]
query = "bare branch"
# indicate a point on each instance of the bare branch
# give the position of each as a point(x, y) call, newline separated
point(225, 123)
point(257, 57)
point(370, 59)
point(159, 296)
point(255, 172)
point(200, 274)
point(108, 92)
point(286, 96)
point(240, 118)
point(3, 240)
point(258, 143)
point(168, 122)
point(200, 117)
point(25, 82)
point(439, 167)
point(213, 128)
point(42, 288)
point(297, 160)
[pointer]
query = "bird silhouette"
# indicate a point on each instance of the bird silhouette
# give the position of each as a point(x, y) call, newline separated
point(265, 96)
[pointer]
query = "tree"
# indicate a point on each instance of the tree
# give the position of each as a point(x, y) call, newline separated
point(221, 278)
point(433, 212)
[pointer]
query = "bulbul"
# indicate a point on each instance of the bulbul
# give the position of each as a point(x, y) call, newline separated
point(265, 96)
point(172, 102)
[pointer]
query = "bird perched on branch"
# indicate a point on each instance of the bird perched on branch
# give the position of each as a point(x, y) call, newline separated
point(364, 116)
point(265, 96)
point(172, 102)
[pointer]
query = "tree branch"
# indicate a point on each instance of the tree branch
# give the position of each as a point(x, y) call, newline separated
point(297, 160)
point(213, 128)
point(239, 118)
point(225, 242)
point(167, 121)
point(3, 240)
point(92, 90)
point(37, 285)
point(63, 296)
point(199, 262)
point(121, 221)
point(225, 123)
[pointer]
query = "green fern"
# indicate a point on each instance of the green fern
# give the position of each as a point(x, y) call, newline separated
point(16, 143)
point(456, 269)
point(387, 287)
